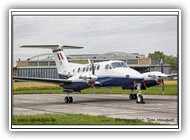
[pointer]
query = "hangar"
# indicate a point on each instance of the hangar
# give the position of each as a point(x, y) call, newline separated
point(43, 65)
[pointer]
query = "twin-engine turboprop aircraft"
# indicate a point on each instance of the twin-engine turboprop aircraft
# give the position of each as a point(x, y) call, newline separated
point(76, 77)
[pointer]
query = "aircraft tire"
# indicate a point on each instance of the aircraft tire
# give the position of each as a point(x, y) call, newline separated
point(134, 96)
point(66, 99)
point(70, 99)
point(130, 96)
point(140, 99)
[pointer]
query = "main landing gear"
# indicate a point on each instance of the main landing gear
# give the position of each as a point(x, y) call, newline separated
point(138, 97)
point(68, 99)
point(132, 96)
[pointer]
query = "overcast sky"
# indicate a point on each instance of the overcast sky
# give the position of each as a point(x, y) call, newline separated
point(97, 34)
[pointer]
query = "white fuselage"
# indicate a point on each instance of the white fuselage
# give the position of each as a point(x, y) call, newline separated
point(102, 69)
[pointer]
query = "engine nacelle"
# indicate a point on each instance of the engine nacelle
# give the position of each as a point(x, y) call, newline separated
point(88, 77)
point(157, 74)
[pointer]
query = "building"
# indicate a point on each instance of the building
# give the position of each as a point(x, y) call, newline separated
point(43, 65)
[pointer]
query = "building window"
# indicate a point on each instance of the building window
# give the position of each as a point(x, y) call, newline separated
point(52, 63)
point(43, 63)
point(32, 63)
point(132, 61)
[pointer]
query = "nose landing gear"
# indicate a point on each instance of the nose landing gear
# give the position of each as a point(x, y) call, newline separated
point(138, 97)
point(132, 96)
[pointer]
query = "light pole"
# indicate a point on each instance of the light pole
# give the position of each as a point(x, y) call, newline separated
point(162, 70)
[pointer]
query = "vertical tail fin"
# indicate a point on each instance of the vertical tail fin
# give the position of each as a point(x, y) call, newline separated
point(59, 56)
point(60, 60)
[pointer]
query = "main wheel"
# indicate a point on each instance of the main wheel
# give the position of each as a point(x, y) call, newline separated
point(134, 96)
point(131, 96)
point(66, 99)
point(70, 99)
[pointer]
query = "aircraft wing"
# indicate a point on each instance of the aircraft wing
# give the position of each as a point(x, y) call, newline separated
point(45, 80)
point(172, 74)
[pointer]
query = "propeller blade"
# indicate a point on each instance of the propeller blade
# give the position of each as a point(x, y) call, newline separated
point(93, 73)
point(93, 68)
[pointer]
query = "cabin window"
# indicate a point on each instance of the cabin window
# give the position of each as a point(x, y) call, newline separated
point(86, 69)
point(90, 69)
point(78, 70)
point(83, 69)
point(98, 67)
point(94, 68)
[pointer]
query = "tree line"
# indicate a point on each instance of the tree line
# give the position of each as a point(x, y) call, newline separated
point(169, 59)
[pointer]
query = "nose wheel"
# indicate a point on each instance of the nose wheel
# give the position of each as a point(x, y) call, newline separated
point(140, 99)
point(139, 95)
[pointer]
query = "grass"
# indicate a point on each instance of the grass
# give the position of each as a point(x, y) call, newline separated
point(74, 119)
point(41, 88)
point(34, 85)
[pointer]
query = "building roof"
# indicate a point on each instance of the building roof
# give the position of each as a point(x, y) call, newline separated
point(106, 56)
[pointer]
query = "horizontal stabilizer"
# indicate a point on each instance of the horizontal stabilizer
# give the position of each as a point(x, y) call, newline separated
point(51, 46)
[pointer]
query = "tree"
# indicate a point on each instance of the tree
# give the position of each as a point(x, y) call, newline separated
point(156, 55)
point(172, 60)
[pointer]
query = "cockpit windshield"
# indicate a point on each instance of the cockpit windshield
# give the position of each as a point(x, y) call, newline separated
point(118, 64)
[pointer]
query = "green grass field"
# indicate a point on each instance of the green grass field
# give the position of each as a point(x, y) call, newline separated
point(74, 119)
point(36, 88)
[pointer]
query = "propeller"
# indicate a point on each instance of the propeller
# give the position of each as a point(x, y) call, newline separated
point(92, 83)
point(93, 68)
point(160, 78)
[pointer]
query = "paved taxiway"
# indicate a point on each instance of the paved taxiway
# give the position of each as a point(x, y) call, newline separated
point(158, 108)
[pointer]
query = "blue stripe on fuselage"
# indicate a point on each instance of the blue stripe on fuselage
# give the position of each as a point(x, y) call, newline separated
point(117, 81)
point(104, 81)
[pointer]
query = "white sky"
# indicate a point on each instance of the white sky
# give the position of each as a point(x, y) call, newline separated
point(97, 34)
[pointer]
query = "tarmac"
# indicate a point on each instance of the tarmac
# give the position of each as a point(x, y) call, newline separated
point(161, 109)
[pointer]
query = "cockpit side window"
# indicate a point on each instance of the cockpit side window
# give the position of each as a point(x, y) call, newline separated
point(118, 64)
point(107, 66)
point(98, 67)
point(124, 64)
